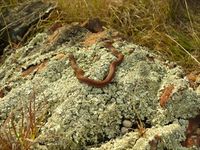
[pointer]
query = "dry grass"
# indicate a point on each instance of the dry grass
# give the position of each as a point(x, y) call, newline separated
point(22, 126)
point(169, 27)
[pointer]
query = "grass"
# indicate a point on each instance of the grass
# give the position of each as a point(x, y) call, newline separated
point(22, 126)
point(170, 28)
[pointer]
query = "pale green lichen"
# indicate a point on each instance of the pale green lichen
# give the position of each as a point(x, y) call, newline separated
point(82, 116)
point(166, 137)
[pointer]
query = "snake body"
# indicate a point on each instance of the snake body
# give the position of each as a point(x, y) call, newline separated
point(111, 73)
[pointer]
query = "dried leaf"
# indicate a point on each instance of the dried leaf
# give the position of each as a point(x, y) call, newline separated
point(166, 95)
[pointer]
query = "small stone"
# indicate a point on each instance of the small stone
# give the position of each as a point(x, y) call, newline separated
point(124, 130)
point(127, 123)
point(197, 131)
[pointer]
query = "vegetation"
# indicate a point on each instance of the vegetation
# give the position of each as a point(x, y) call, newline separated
point(170, 28)
point(22, 126)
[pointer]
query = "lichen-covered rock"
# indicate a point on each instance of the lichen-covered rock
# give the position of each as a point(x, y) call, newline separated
point(168, 136)
point(144, 91)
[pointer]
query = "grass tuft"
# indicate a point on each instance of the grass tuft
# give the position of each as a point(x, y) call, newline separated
point(19, 131)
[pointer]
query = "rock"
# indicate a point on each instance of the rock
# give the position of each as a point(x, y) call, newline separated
point(78, 116)
point(124, 130)
point(16, 21)
point(131, 140)
point(127, 123)
point(94, 25)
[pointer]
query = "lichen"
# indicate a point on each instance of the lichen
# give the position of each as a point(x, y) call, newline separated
point(84, 116)
point(166, 137)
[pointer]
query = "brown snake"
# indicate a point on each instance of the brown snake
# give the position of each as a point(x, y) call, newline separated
point(112, 68)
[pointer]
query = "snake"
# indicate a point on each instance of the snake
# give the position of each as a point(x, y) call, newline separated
point(79, 73)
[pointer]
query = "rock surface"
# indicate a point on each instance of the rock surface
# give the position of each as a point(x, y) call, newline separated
point(15, 22)
point(147, 97)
